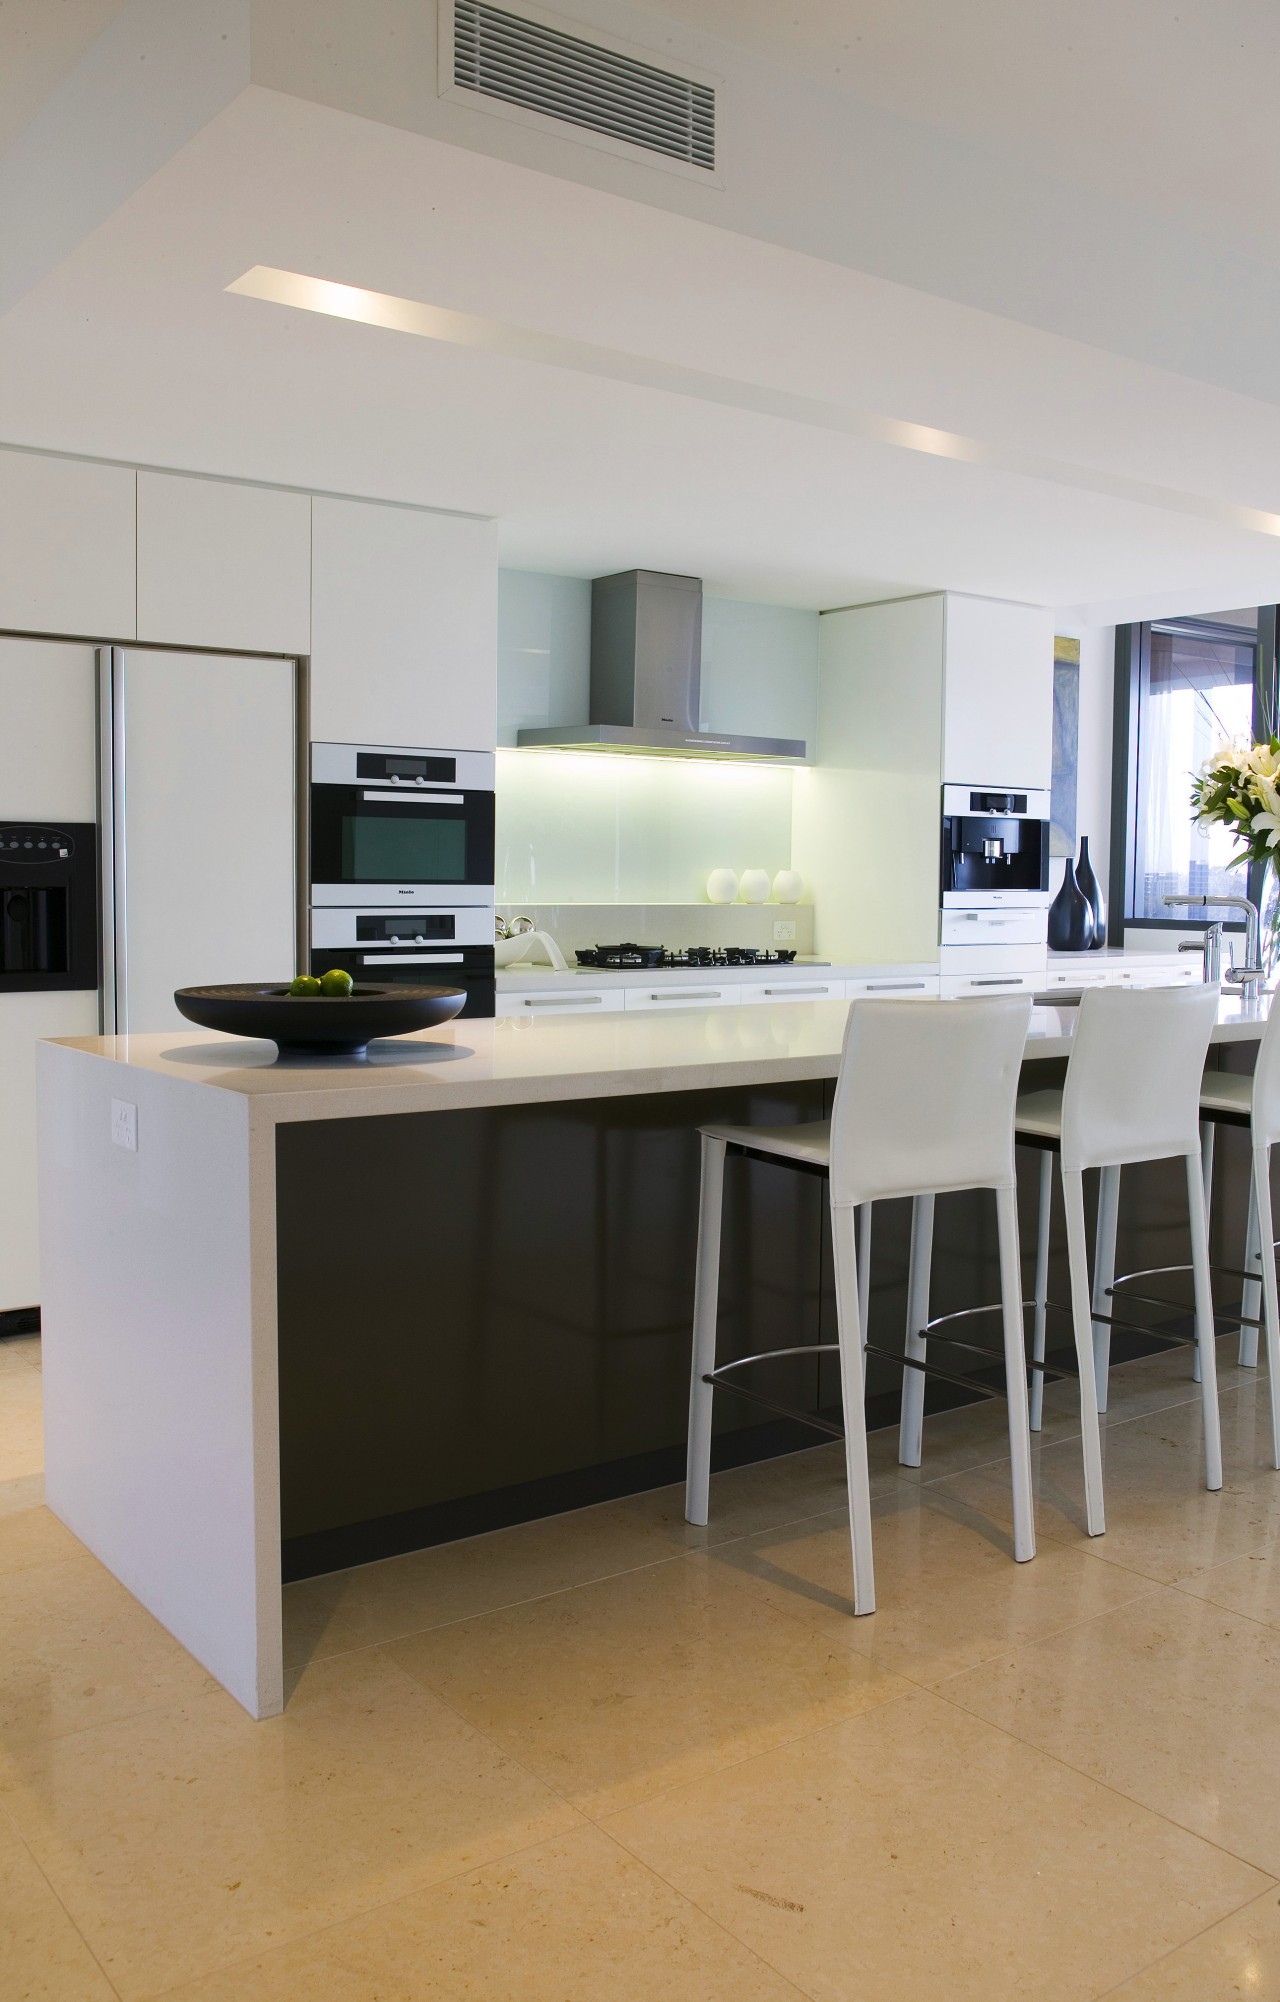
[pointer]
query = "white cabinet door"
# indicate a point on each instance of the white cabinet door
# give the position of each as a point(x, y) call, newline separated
point(563, 1001)
point(209, 878)
point(404, 643)
point(221, 565)
point(998, 694)
point(67, 546)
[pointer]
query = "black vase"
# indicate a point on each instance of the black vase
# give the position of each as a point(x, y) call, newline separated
point(1070, 916)
point(1092, 889)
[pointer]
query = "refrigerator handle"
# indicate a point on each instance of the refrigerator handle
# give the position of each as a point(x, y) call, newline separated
point(111, 813)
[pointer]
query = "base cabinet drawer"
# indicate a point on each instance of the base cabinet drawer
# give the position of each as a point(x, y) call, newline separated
point(563, 1001)
point(683, 994)
point(955, 985)
point(1071, 980)
point(790, 990)
point(894, 987)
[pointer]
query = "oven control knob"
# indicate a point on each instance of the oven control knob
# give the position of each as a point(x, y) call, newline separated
point(419, 939)
point(395, 778)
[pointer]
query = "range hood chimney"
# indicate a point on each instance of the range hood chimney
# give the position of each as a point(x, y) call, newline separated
point(646, 671)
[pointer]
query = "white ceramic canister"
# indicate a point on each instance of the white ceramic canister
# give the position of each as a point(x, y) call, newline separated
point(753, 886)
point(722, 886)
point(787, 885)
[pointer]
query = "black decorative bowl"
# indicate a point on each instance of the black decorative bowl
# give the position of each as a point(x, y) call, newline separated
point(338, 1024)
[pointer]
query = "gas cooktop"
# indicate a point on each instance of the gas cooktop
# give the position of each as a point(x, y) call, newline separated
point(658, 956)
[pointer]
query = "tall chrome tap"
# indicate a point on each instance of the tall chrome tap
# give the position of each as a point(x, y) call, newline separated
point(1249, 977)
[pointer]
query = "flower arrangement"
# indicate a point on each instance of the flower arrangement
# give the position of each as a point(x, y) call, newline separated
point(1239, 788)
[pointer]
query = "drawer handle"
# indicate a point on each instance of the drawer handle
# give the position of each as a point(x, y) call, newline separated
point(689, 994)
point(814, 987)
point(895, 986)
point(1013, 981)
point(562, 1000)
point(413, 959)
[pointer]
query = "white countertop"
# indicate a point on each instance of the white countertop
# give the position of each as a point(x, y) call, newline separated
point(514, 1062)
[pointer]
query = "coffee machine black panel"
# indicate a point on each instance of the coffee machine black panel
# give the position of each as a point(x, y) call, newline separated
point(992, 852)
point(48, 905)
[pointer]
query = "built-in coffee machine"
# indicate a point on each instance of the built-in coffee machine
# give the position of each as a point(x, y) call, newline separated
point(48, 906)
point(994, 891)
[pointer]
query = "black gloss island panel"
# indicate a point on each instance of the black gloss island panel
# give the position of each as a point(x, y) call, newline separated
point(484, 1316)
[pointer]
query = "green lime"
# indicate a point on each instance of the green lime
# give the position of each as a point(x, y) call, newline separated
point(306, 983)
point(335, 981)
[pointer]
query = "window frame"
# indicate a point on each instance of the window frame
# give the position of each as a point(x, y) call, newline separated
point(1132, 654)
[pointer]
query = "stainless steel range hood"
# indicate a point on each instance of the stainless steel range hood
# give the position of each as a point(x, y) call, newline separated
point(646, 670)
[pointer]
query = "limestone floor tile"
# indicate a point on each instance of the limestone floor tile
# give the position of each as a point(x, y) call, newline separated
point(578, 1917)
point(429, 1588)
point(19, 1352)
point(77, 1649)
point(185, 1839)
point(24, 1491)
point(1240, 1956)
point(21, 1423)
point(974, 1435)
point(34, 1536)
point(1249, 1585)
point(618, 1690)
point(763, 1495)
point(1170, 1700)
point(1150, 1383)
point(42, 1956)
point(948, 1595)
point(1161, 1521)
point(911, 1852)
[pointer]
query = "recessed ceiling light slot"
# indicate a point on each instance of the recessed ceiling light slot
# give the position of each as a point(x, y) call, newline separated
point(540, 68)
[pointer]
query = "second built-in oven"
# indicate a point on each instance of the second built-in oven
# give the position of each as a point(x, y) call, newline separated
point(392, 826)
point(420, 946)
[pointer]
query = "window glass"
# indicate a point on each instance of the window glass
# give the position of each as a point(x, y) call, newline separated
point(1195, 687)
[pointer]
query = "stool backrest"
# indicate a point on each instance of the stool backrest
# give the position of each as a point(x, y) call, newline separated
point(1133, 1077)
point(1265, 1114)
point(924, 1101)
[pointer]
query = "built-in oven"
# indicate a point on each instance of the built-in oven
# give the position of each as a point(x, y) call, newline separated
point(391, 826)
point(995, 847)
point(419, 945)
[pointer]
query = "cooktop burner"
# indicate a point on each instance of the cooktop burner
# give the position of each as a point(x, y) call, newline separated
point(619, 956)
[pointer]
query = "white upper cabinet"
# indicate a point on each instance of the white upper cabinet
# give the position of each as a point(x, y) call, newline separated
point(998, 694)
point(66, 546)
point(403, 627)
point(221, 565)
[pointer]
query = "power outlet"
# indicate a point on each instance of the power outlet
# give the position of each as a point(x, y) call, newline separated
point(783, 929)
point(124, 1124)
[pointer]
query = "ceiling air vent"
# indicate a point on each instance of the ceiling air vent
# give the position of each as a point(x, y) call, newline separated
point(525, 63)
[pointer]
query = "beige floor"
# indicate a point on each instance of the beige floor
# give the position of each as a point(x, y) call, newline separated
point(608, 1756)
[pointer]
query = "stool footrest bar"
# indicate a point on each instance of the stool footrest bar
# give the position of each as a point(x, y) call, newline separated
point(773, 1404)
point(934, 1369)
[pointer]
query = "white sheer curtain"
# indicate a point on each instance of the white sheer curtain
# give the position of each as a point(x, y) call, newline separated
point(1194, 693)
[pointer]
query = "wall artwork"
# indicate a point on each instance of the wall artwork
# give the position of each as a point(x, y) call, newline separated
point(1066, 746)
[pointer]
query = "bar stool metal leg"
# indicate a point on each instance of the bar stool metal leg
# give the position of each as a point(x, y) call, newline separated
point(1082, 1320)
point(864, 1265)
point(853, 1398)
point(1015, 1369)
point(1261, 1182)
point(1204, 1323)
point(1104, 1275)
point(1208, 1136)
point(919, 1273)
point(1250, 1302)
point(706, 1301)
point(1043, 1221)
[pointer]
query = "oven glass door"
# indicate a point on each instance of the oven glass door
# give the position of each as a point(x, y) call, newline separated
point(363, 836)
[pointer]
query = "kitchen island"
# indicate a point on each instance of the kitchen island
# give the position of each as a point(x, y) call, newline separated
point(339, 1308)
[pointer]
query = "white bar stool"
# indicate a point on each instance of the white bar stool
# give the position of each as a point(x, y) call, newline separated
point(1229, 1099)
point(1132, 1094)
point(923, 1106)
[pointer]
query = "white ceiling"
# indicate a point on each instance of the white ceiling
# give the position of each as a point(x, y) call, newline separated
point(1168, 103)
point(1091, 479)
